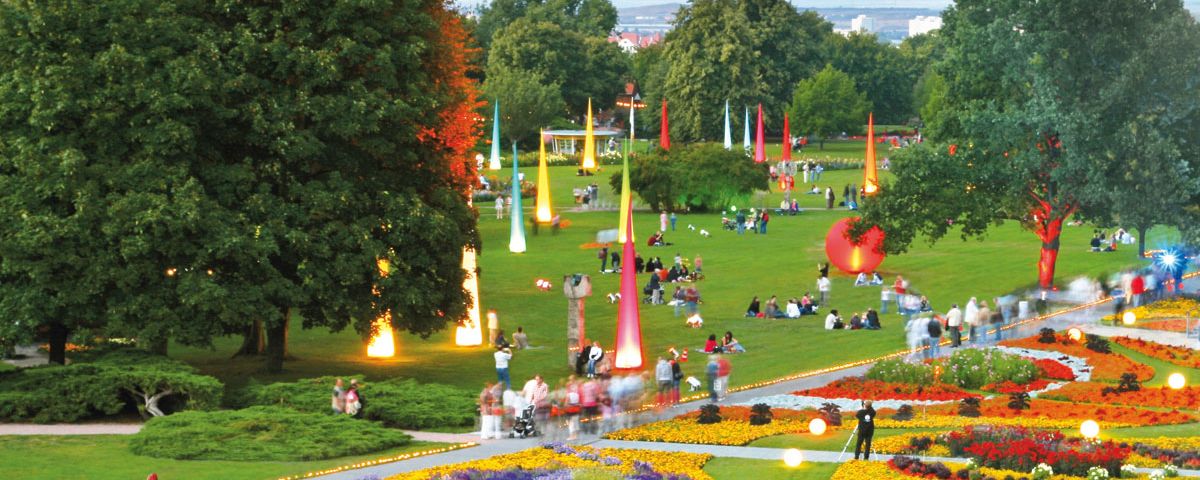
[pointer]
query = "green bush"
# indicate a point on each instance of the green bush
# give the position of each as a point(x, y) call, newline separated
point(104, 386)
point(698, 177)
point(900, 371)
point(395, 403)
point(973, 368)
point(261, 434)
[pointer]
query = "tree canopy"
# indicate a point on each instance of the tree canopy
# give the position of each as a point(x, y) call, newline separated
point(526, 101)
point(697, 177)
point(1030, 123)
point(827, 104)
point(179, 168)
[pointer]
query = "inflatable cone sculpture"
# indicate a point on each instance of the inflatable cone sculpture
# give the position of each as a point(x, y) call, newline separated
point(626, 201)
point(728, 135)
point(589, 142)
point(470, 332)
point(516, 236)
point(543, 193)
point(787, 141)
point(629, 324)
point(494, 163)
point(760, 146)
point(664, 137)
point(746, 133)
point(870, 174)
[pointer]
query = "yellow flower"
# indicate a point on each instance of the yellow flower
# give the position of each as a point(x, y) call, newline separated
point(728, 432)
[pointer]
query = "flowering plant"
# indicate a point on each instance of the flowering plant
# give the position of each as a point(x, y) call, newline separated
point(1184, 357)
point(1105, 366)
point(1041, 472)
point(1041, 409)
point(1019, 448)
point(862, 388)
point(1089, 392)
point(1053, 369)
point(1097, 473)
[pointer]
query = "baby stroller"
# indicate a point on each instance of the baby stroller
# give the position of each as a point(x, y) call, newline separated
point(727, 224)
point(524, 425)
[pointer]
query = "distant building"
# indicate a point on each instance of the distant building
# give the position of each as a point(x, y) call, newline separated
point(630, 42)
point(922, 25)
point(863, 23)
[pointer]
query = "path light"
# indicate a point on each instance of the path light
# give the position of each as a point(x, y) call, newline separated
point(792, 458)
point(1129, 318)
point(817, 426)
point(1075, 334)
point(1090, 429)
point(1176, 381)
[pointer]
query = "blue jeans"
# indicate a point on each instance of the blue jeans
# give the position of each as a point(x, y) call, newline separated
point(883, 305)
point(935, 348)
point(692, 307)
point(997, 337)
point(762, 227)
point(502, 376)
point(741, 228)
point(678, 303)
point(672, 224)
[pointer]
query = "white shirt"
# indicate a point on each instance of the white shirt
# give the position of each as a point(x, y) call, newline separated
point(823, 284)
point(829, 321)
point(885, 294)
point(793, 310)
point(954, 317)
point(502, 358)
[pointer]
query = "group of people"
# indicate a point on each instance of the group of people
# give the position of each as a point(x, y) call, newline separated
point(1102, 242)
point(795, 308)
point(587, 195)
point(727, 344)
point(755, 220)
point(607, 401)
point(347, 400)
point(868, 320)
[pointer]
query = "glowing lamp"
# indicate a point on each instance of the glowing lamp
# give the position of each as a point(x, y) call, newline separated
point(171, 272)
point(1090, 429)
point(817, 426)
point(1075, 334)
point(792, 458)
point(1176, 381)
point(382, 343)
point(1128, 318)
point(853, 258)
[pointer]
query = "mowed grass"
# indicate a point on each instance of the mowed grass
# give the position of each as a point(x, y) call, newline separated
point(782, 263)
point(104, 457)
point(739, 468)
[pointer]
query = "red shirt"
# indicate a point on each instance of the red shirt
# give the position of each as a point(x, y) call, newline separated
point(709, 346)
point(723, 367)
point(899, 287)
point(1137, 286)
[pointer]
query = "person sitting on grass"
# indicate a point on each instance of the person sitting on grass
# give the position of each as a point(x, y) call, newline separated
point(793, 308)
point(876, 279)
point(856, 322)
point(753, 310)
point(833, 321)
point(731, 345)
point(772, 308)
point(711, 346)
point(872, 319)
point(861, 280)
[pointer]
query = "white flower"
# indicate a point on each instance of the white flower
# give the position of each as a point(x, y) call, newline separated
point(1097, 473)
point(1157, 475)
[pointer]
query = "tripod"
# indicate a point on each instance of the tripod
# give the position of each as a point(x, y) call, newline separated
point(848, 440)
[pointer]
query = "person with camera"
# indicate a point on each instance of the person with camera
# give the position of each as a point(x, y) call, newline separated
point(866, 430)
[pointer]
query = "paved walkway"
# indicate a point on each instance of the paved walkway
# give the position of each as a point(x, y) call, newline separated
point(70, 429)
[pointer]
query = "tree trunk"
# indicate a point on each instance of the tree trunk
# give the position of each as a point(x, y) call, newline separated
point(151, 403)
point(58, 343)
point(1046, 263)
point(252, 340)
point(821, 143)
point(1141, 242)
point(277, 342)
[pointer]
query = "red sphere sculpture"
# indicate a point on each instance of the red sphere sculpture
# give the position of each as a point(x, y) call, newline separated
point(849, 257)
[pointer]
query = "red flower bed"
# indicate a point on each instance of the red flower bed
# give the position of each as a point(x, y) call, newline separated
point(860, 388)
point(1105, 366)
point(1021, 449)
point(1054, 369)
point(1184, 357)
point(1010, 387)
point(1088, 392)
point(1053, 410)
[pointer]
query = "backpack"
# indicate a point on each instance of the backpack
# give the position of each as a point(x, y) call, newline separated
point(935, 328)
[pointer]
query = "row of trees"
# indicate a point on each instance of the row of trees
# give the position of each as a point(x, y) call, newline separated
point(1042, 112)
point(185, 170)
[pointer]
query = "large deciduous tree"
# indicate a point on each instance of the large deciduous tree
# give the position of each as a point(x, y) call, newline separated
point(526, 101)
point(1028, 122)
point(827, 104)
point(182, 168)
point(879, 70)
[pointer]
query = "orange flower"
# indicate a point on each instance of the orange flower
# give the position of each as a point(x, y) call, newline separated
point(1105, 366)
point(1089, 392)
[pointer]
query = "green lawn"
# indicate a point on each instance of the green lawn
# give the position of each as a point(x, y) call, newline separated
point(6, 366)
point(737, 267)
point(738, 468)
point(100, 457)
point(1162, 369)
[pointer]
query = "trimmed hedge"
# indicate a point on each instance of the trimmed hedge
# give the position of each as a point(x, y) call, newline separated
point(395, 403)
point(261, 434)
point(104, 386)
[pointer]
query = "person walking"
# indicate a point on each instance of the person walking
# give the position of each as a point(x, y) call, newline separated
point(740, 218)
point(502, 356)
point(679, 298)
point(662, 375)
point(829, 198)
point(710, 373)
point(603, 259)
point(954, 325)
point(487, 405)
point(762, 222)
point(499, 207)
point(997, 319)
point(885, 297)
point(934, 328)
point(676, 378)
point(971, 318)
point(537, 393)
point(673, 219)
point(982, 318)
point(662, 221)
point(692, 297)
point(866, 430)
point(724, 368)
point(823, 286)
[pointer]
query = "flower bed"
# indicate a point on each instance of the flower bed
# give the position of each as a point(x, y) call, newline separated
point(922, 443)
point(955, 421)
point(550, 461)
point(733, 429)
point(861, 388)
point(1010, 387)
point(1105, 366)
point(1184, 357)
point(1053, 369)
point(1021, 449)
point(1088, 392)
point(862, 470)
point(1053, 410)
point(1177, 307)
